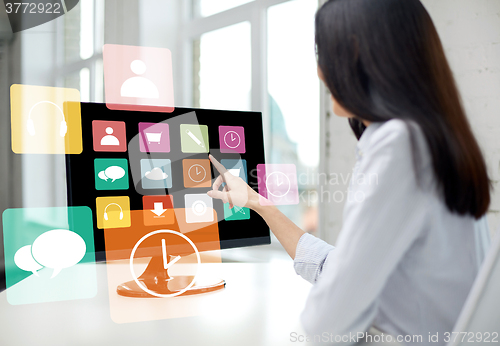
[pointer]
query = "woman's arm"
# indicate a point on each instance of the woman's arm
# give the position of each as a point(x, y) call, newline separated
point(237, 192)
point(282, 227)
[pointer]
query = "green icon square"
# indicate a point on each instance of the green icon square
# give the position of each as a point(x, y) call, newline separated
point(111, 174)
point(49, 254)
point(194, 138)
point(236, 213)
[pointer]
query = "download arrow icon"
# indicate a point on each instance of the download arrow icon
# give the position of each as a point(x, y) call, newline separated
point(158, 210)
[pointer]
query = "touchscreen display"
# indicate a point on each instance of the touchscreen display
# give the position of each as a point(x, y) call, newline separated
point(159, 161)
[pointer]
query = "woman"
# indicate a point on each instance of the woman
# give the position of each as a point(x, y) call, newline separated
point(408, 251)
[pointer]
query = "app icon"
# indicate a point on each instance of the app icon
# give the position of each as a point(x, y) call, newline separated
point(154, 138)
point(194, 138)
point(278, 184)
point(236, 167)
point(109, 136)
point(158, 210)
point(197, 173)
point(156, 174)
point(45, 120)
point(111, 174)
point(113, 212)
point(49, 254)
point(199, 208)
point(138, 78)
point(232, 139)
point(236, 213)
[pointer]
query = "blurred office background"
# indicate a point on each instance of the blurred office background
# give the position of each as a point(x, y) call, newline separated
point(240, 55)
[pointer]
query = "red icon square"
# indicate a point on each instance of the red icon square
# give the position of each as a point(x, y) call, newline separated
point(138, 78)
point(158, 210)
point(109, 136)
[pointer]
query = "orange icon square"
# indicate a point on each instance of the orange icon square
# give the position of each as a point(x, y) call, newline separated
point(197, 173)
point(158, 210)
point(129, 250)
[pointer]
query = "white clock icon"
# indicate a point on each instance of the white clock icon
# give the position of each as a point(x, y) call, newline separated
point(197, 173)
point(278, 184)
point(166, 264)
point(232, 139)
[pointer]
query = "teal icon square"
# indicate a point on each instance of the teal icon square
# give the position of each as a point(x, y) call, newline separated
point(49, 254)
point(237, 213)
point(111, 174)
point(194, 138)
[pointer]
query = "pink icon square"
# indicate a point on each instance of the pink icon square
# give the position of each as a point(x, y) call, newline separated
point(154, 138)
point(109, 136)
point(138, 78)
point(232, 139)
point(277, 184)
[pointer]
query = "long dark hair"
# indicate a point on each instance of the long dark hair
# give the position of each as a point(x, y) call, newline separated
point(383, 59)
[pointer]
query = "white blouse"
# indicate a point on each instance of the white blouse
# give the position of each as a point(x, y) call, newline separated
point(403, 262)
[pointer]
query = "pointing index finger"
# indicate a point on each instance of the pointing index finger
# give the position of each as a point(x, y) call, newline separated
point(222, 170)
point(217, 183)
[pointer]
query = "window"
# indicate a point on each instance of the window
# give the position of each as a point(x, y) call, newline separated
point(232, 54)
point(293, 89)
point(205, 8)
point(259, 55)
point(224, 68)
point(80, 41)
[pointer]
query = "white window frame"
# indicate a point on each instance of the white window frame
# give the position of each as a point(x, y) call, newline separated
point(254, 12)
point(92, 63)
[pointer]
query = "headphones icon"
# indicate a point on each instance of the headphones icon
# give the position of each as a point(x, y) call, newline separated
point(31, 125)
point(106, 214)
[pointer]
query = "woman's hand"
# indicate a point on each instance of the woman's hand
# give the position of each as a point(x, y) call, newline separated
point(236, 192)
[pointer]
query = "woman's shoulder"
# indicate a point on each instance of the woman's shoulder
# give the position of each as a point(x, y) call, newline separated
point(399, 137)
point(398, 141)
point(390, 132)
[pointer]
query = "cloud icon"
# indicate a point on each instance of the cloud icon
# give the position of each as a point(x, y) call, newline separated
point(156, 174)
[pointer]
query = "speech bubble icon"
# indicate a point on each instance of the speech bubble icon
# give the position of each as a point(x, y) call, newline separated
point(114, 172)
point(24, 260)
point(103, 176)
point(58, 249)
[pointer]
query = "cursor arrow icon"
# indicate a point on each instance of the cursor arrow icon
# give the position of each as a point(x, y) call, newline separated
point(158, 210)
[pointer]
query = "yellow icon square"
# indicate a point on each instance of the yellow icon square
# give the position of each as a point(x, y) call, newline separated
point(113, 212)
point(45, 120)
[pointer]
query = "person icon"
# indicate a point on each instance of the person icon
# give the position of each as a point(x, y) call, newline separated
point(109, 139)
point(139, 86)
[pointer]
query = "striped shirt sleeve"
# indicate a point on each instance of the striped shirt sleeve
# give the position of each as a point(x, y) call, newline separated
point(310, 257)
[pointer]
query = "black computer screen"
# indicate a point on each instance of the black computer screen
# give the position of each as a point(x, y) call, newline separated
point(83, 176)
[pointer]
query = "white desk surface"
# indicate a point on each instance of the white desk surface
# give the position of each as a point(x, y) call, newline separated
point(260, 305)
